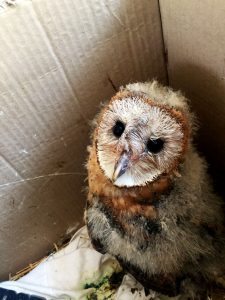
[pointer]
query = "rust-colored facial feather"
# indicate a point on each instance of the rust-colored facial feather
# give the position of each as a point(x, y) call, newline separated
point(145, 122)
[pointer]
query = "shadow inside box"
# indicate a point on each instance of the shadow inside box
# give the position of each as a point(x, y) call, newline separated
point(206, 92)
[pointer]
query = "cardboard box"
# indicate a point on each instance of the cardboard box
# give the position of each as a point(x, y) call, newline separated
point(58, 61)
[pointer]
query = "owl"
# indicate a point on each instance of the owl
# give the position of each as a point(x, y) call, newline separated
point(150, 202)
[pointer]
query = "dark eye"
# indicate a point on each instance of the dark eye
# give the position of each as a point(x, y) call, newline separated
point(155, 146)
point(118, 128)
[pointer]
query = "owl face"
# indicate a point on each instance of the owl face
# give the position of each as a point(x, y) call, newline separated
point(138, 140)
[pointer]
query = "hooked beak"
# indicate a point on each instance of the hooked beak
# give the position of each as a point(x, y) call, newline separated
point(121, 166)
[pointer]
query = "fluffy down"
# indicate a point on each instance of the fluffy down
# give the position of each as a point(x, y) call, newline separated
point(160, 218)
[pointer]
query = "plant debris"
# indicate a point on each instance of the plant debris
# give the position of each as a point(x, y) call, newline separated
point(105, 288)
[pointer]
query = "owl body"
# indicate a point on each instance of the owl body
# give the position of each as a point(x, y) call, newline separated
point(150, 201)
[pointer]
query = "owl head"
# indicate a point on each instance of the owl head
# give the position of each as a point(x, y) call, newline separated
point(142, 134)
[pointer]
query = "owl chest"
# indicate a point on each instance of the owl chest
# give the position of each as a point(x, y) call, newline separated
point(126, 219)
point(127, 214)
point(137, 221)
point(131, 212)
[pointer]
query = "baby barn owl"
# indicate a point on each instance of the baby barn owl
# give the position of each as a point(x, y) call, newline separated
point(150, 203)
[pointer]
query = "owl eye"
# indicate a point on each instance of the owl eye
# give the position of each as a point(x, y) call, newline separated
point(155, 146)
point(118, 128)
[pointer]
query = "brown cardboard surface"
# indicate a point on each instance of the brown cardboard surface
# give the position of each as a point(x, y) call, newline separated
point(57, 62)
point(195, 45)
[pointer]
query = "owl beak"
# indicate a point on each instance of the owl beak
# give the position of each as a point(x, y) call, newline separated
point(121, 166)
